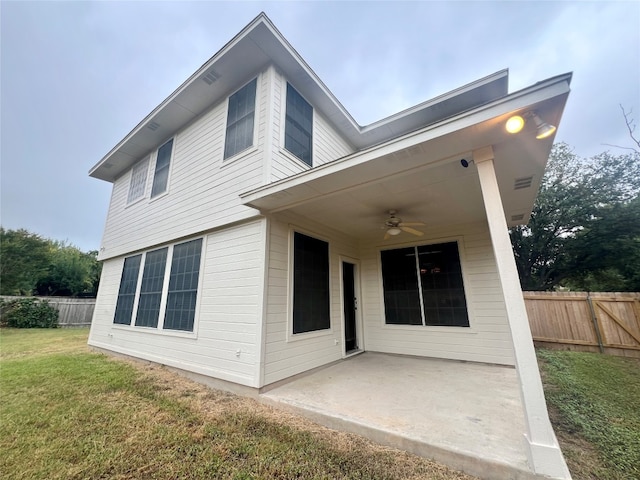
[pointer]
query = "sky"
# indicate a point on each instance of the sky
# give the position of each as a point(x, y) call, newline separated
point(76, 77)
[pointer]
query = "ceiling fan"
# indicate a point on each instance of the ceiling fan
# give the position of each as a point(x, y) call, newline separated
point(395, 226)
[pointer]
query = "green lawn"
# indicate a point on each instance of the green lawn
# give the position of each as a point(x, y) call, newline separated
point(594, 401)
point(67, 413)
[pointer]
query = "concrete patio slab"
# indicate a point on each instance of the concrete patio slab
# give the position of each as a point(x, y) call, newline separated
point(466, 415)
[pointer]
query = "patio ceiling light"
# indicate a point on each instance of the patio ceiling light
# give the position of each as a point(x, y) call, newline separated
point(543, 129)
point(514, 124)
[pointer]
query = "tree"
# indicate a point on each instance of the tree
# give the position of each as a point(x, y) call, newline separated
point(584, 224)
point(24, 258)
point(70, 273)
point(30, 263)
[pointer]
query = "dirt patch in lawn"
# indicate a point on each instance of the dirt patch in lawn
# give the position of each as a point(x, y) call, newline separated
point(218, 407)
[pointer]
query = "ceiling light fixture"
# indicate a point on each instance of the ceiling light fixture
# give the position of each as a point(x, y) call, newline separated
point(394, 231)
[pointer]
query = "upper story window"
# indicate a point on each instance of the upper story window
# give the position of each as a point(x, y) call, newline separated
point(138, 181)
point(161, 175)
point(298, 130)
point(240, 120)
point(423, 286)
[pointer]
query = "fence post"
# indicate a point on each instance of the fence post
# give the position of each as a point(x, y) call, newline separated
point(594, 319)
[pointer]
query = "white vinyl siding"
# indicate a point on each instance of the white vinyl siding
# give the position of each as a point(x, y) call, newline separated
point(204, 188)
point(287, 354)
point(138, 183)
point(229, 303)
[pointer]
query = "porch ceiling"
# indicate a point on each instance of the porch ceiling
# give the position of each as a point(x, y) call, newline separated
point(420, 174)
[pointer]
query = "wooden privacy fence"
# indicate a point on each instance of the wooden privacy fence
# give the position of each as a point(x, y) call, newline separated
point(605, 322)
point(74, 312)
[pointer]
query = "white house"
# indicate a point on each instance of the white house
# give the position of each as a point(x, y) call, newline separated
point(249, 238)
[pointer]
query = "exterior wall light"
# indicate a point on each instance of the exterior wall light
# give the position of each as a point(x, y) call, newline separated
point(543, 129)
point(514, 124)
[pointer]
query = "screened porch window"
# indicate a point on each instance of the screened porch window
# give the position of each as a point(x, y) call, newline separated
point(240, 120)
point(310, 284)
point(423, 286)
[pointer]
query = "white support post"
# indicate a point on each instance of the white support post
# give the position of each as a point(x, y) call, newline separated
point(544, 453)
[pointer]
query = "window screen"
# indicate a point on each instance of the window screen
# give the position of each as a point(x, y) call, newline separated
point(400, 284)
point(183, 286)
point(127, 291)
point(442, 287)
point(423, 286)
point(298, 126)
point(161, 175)
point(240, 119)
point(310, 284)
point(151, 288)
point(138, 181)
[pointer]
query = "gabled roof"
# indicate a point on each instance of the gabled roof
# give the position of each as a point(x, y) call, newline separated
point(256, 46)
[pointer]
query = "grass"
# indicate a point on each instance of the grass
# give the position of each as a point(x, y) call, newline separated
point(67, 413)
point(594, 403)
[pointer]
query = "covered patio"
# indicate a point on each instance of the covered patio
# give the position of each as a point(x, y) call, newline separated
point(466, 415)
point(465, 179)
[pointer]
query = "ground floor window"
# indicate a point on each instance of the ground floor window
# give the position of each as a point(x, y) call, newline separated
point(158, 303)
point(127, 291)
point(423, 286)
point(310, 284)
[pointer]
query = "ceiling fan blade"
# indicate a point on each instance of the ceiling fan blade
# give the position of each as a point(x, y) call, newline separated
point(413, 224)
point(386, 235)
point(411, 230)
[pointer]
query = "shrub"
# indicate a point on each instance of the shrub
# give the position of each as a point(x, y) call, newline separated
point(28, 313)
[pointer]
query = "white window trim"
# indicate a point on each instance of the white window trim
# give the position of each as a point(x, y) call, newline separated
point(159, 329)
point(146, 160)
point(294, 337)
point(283, 126)
point(256, 113)
point(465, 283)
point(171, 162)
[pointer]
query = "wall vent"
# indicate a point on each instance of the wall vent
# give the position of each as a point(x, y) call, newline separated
point(517, 218)
point(153, 126)
point(524, 182)
point(210, 77)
